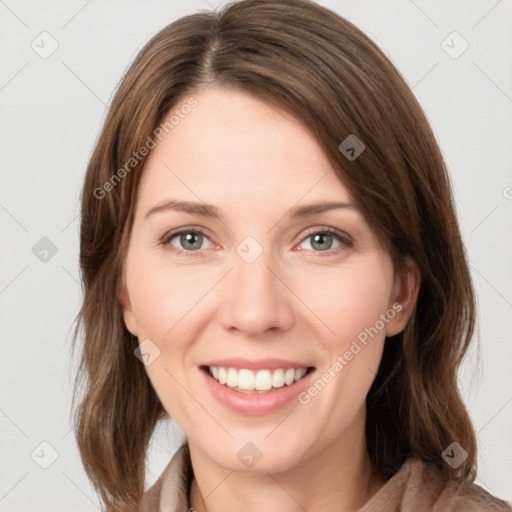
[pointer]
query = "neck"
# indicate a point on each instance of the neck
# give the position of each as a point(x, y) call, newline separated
point(340, 477)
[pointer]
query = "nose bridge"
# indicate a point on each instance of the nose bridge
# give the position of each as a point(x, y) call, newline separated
point(255, 300)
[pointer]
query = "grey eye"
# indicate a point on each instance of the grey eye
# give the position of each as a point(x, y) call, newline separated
point(322, 241)
point(188, 240)
point(191, 240)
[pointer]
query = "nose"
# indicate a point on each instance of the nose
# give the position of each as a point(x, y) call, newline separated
point(255, 299)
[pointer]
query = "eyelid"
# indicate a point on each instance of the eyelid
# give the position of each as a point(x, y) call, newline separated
point(345, 237)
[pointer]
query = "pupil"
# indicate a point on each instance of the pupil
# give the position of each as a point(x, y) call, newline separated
point(320, 238)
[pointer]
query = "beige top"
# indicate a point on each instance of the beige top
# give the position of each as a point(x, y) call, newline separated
point(416, 487)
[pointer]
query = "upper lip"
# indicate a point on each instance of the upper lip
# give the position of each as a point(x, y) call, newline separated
point(256, 364)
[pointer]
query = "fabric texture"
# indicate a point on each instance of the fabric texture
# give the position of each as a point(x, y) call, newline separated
point(416, 487)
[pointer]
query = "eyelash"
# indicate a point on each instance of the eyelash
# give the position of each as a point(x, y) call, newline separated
point(344, 239)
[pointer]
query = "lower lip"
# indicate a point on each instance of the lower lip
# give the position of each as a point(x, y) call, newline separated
point(255, 404)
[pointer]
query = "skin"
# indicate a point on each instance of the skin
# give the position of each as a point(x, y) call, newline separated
point(255, 163)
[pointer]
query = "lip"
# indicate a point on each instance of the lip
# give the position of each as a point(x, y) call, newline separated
point(254, 404)
point(256, 364)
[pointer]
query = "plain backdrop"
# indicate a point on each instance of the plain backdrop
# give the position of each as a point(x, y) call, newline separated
point(52, 108)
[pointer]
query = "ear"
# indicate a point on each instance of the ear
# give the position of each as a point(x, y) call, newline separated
point(126, 307)
point(404, 295)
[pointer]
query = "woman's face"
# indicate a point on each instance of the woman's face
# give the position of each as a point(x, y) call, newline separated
point(260, 283)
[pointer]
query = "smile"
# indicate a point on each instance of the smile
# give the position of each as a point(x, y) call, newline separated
point(264, 380)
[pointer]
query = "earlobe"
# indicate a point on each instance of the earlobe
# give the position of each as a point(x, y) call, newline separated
point(404, 296)
point(126, 308)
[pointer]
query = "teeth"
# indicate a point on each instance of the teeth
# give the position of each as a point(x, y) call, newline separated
point(262, 380)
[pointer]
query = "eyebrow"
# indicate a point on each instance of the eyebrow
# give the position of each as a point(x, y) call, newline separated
point(209, 210)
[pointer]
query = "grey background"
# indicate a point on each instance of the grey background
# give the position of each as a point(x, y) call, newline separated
point(51, 113)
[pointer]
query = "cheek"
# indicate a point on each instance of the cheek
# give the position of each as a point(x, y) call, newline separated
point(163, 295)
point(343, 302)
point(348, 300)
point(165, 300)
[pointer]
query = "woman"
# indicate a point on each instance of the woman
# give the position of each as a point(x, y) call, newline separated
point(303, 377)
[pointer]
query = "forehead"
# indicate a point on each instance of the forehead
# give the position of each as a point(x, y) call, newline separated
point(235, 148)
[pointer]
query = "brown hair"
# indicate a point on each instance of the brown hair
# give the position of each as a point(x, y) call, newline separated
point(307, 60)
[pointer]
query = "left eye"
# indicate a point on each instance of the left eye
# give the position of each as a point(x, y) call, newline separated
point(322, 241)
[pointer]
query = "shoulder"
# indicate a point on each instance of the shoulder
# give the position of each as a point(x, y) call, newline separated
point(419, 487)
point(170, 491)
point(452, 495)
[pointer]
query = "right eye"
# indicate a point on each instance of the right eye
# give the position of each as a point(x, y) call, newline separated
point(190, 240)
